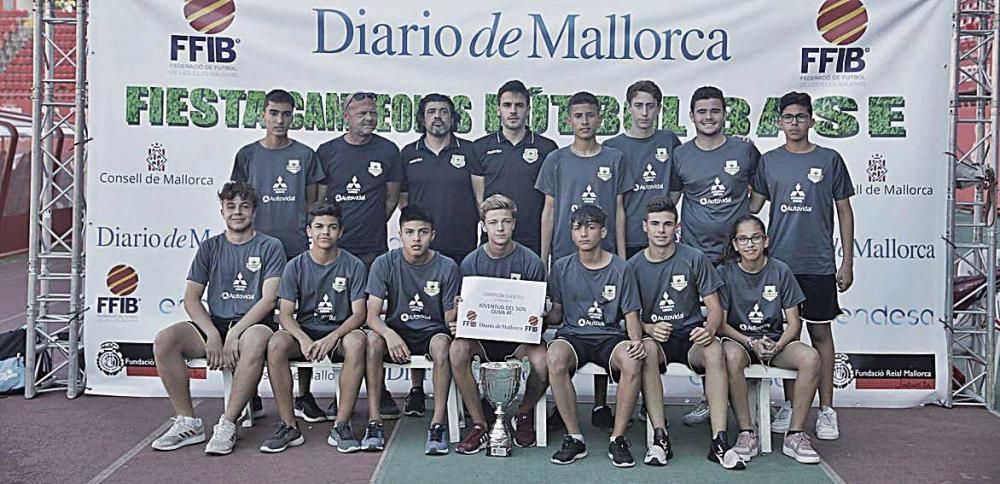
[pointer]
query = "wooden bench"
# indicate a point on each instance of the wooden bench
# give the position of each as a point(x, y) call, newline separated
point(758, 390)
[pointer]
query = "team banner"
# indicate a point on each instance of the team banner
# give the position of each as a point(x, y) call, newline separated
point(178, 87)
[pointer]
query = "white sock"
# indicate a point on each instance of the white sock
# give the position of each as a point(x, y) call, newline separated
point(578, 437)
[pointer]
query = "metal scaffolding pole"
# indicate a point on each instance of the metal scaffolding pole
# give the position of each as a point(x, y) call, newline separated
point(55, 252)
point(972, 250)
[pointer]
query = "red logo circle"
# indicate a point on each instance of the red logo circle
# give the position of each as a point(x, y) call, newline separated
point(122, 280)
point(209, 16)
point(841, 22)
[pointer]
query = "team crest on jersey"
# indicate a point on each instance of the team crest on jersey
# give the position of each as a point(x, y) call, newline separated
point(770, 292)
point(253, 263)
point(294, 166)
point(432, 288)
point(375, 168)
point(678, 282)
point(604, 173)
point(610, 291)
point(732, 167)
point(815, 175)
point(662, 155)
point(339, 284)
point(458, 161)
point(530, 155)
point(515, 276)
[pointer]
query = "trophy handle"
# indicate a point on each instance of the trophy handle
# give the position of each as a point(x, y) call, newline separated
point(525, 367)
point(475, 367)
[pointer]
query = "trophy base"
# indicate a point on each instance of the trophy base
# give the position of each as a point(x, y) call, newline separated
point(498, 451)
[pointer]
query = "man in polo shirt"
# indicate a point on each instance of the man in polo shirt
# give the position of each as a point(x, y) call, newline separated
point(437, 176)
point(503, 258)
point(649, 151)
point(584, 173)
point(419, 285)
point(363, 174)
point(509, 162)
point(241, 268)
point(285, 172)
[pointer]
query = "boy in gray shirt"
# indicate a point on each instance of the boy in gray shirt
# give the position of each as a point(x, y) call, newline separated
point(322, 308)
point(804, 182)
point(241, 269)
point(419, 285)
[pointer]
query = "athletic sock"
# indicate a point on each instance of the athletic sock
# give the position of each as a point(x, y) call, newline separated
point(578, 437)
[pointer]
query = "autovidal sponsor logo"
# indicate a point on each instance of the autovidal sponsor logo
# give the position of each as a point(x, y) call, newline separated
point(840, 23)
point(122, 280)
point(880, 185)
point(887, 316)
point(537, 36)
point(172, 238)
point(871, 371)
point(208, 17)
point(156, 173)
point(887, 248)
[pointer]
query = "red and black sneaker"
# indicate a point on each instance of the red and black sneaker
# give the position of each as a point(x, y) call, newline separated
point(474, 441)
point(524, 430)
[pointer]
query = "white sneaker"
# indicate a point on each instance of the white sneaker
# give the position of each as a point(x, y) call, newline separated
point(747, 445)
point(826, 424)
point(781, 420)
point(223, 438)
point(184, 431)
point(698, 415)
point(799, 447)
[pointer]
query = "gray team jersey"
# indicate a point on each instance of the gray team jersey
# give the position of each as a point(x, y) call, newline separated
point(280, 177)
point(574, 181)
point(418, 295)
point(593, 301)
point(650, 159)
point(715, 185)
point(323, 293)
point(803, 188)
point(757, 302)
point(521, 264)
point(671, 290)
point(235, 274)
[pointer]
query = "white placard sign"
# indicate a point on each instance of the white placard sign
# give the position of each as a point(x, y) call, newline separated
point(501, 309)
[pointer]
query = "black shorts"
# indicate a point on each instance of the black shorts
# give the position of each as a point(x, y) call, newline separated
point(596, 349)
point(316, 333)
point(631, 251)
point(675, 350)
point(224, 325)
point(498, 351)
point(821, 304)
point(419, 342)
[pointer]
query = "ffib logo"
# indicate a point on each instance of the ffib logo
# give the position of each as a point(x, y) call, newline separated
point(208, 17)
point(122, 281)
point(841, 23)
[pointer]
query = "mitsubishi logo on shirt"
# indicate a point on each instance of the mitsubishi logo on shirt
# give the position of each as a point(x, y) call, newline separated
point(649, 174)
point(595, 316)
point(666, 304)
point(756, 316)
point(416, 305)
point(353, 187)
point(797, 195)
point(239, 284)
point(588, 195)
point(279, 187)
point(717, 190)
point(324, 310)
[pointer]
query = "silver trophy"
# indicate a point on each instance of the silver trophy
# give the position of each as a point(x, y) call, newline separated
point(500, 384)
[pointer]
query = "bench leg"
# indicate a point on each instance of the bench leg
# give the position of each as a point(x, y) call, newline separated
point(541, 423)
point(454, 432)
point(764, 415)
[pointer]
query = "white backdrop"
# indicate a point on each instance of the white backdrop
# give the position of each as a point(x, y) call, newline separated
point(172, 101)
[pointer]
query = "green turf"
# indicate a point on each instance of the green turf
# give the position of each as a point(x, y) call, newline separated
point(405, 461)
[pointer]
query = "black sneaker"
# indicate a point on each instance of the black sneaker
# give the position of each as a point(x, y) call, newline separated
point(374, 436)
point(554, 421)
point(387, 408)
point(282, 438)
point(659, 453)
point(725, 456)
point(307, 409)
point(602, 418)
point(619, 453)
point(571, 451)
point(414, 405)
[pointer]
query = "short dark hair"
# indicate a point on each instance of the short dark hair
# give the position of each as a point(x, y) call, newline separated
point(232, 189)
point(435, 98)
point(414, 213)
point(279, 96)
point(583, 97)
point(515, 87)
point(324, 208)
point(729, 252)
point(707, 92)
point(661, 204)
point(800, 98)
point(646, 86)
point(589, 214)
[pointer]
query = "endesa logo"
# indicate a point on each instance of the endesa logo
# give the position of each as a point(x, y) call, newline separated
point(841, 23)
point(208, 17)
point(122, 281)
point(887, 316)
